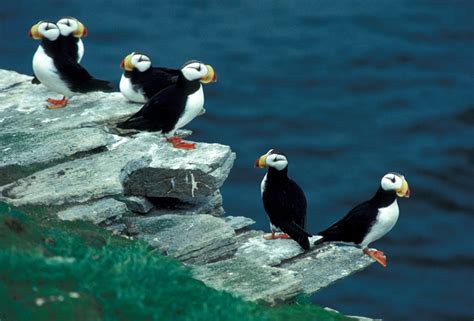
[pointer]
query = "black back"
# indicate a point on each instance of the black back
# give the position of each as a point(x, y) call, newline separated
point(74, 75)
point(69, 47)
point(285, 204)
point(353, 227)
point(153, 80)
point(163, 110)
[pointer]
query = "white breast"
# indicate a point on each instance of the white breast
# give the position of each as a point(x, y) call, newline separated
point(46, 72)
point(126, 88)
point(385, 221)
point(80, 50)
point(194, 105)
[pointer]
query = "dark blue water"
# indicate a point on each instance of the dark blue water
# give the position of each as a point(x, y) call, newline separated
point(349, 90)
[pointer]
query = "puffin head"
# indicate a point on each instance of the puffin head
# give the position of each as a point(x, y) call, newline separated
point(44, 29)
point(274, 159)
point(395, 182)
point(136, 61)
point(196, 70)
point(71, 26)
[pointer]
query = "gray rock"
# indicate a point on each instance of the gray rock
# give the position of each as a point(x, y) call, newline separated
point(138, 204)
point(34, 147)
point(211, 205)
point(268, 252)
point(238, 222)
point(22, 107)
point(96, 212)
point(326, 264)
point(249, 280)
point(76, 181)
point(196, 239)
point(97, 176)
point(181, 174)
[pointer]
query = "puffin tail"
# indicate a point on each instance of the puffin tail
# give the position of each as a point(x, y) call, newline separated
point(135, 122)
point(99, 85)
point(297, 233)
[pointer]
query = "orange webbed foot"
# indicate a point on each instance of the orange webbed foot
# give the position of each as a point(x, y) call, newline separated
point(178, 142)
point(378, 256)
point(275, 236)
point(55, 104)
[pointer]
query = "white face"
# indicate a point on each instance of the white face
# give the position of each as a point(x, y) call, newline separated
point(67, 26)
point(48, 30)
point(194, 70)
point(275, 160)
point(391, 182)
point(140, 62)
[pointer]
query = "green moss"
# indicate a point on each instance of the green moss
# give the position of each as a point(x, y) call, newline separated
point(52, 270)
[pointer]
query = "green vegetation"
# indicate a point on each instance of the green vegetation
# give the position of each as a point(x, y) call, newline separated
point(52, 270)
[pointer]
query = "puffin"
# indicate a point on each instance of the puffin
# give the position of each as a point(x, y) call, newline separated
point(284, 201)
point(56, 70)
point(72, 30)
point(140, 81)
point(174, 106)
point(370, 220)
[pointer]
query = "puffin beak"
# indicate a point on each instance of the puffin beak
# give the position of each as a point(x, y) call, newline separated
point(33, 33)
point(210, 76)
point(126, 63)
point(81, 31)
point(261, 162)
point(403, 191)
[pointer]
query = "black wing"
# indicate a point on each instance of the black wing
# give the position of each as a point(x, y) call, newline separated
point(160, 113)
point(69, 47)
point(286, 206)
point(353, 227)
point(158, 79)
point(77, 77)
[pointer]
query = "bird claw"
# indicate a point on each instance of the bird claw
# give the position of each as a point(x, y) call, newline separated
point(177, 142)
point(57, 103)
point(378, 256)
point(275, 236)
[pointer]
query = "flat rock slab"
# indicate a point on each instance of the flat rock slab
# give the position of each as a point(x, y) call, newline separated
point(268, 252)
point(96, 212)
point(326, 264)
point(249, 280)
point(195, 239)
point(181, 174)
point(238, 222)
point(98, 175)
point(36, 147)
point(22, 106)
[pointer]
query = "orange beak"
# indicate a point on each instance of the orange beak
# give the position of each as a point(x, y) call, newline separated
point(122, 64)
point(84, 33)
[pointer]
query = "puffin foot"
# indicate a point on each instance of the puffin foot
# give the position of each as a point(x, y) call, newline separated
point(178, 142)
point(378, 256)
point(275, 236)
point(55, 101)
point(58, 104)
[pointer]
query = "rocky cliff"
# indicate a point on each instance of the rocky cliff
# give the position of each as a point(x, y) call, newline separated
point(77, 164)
